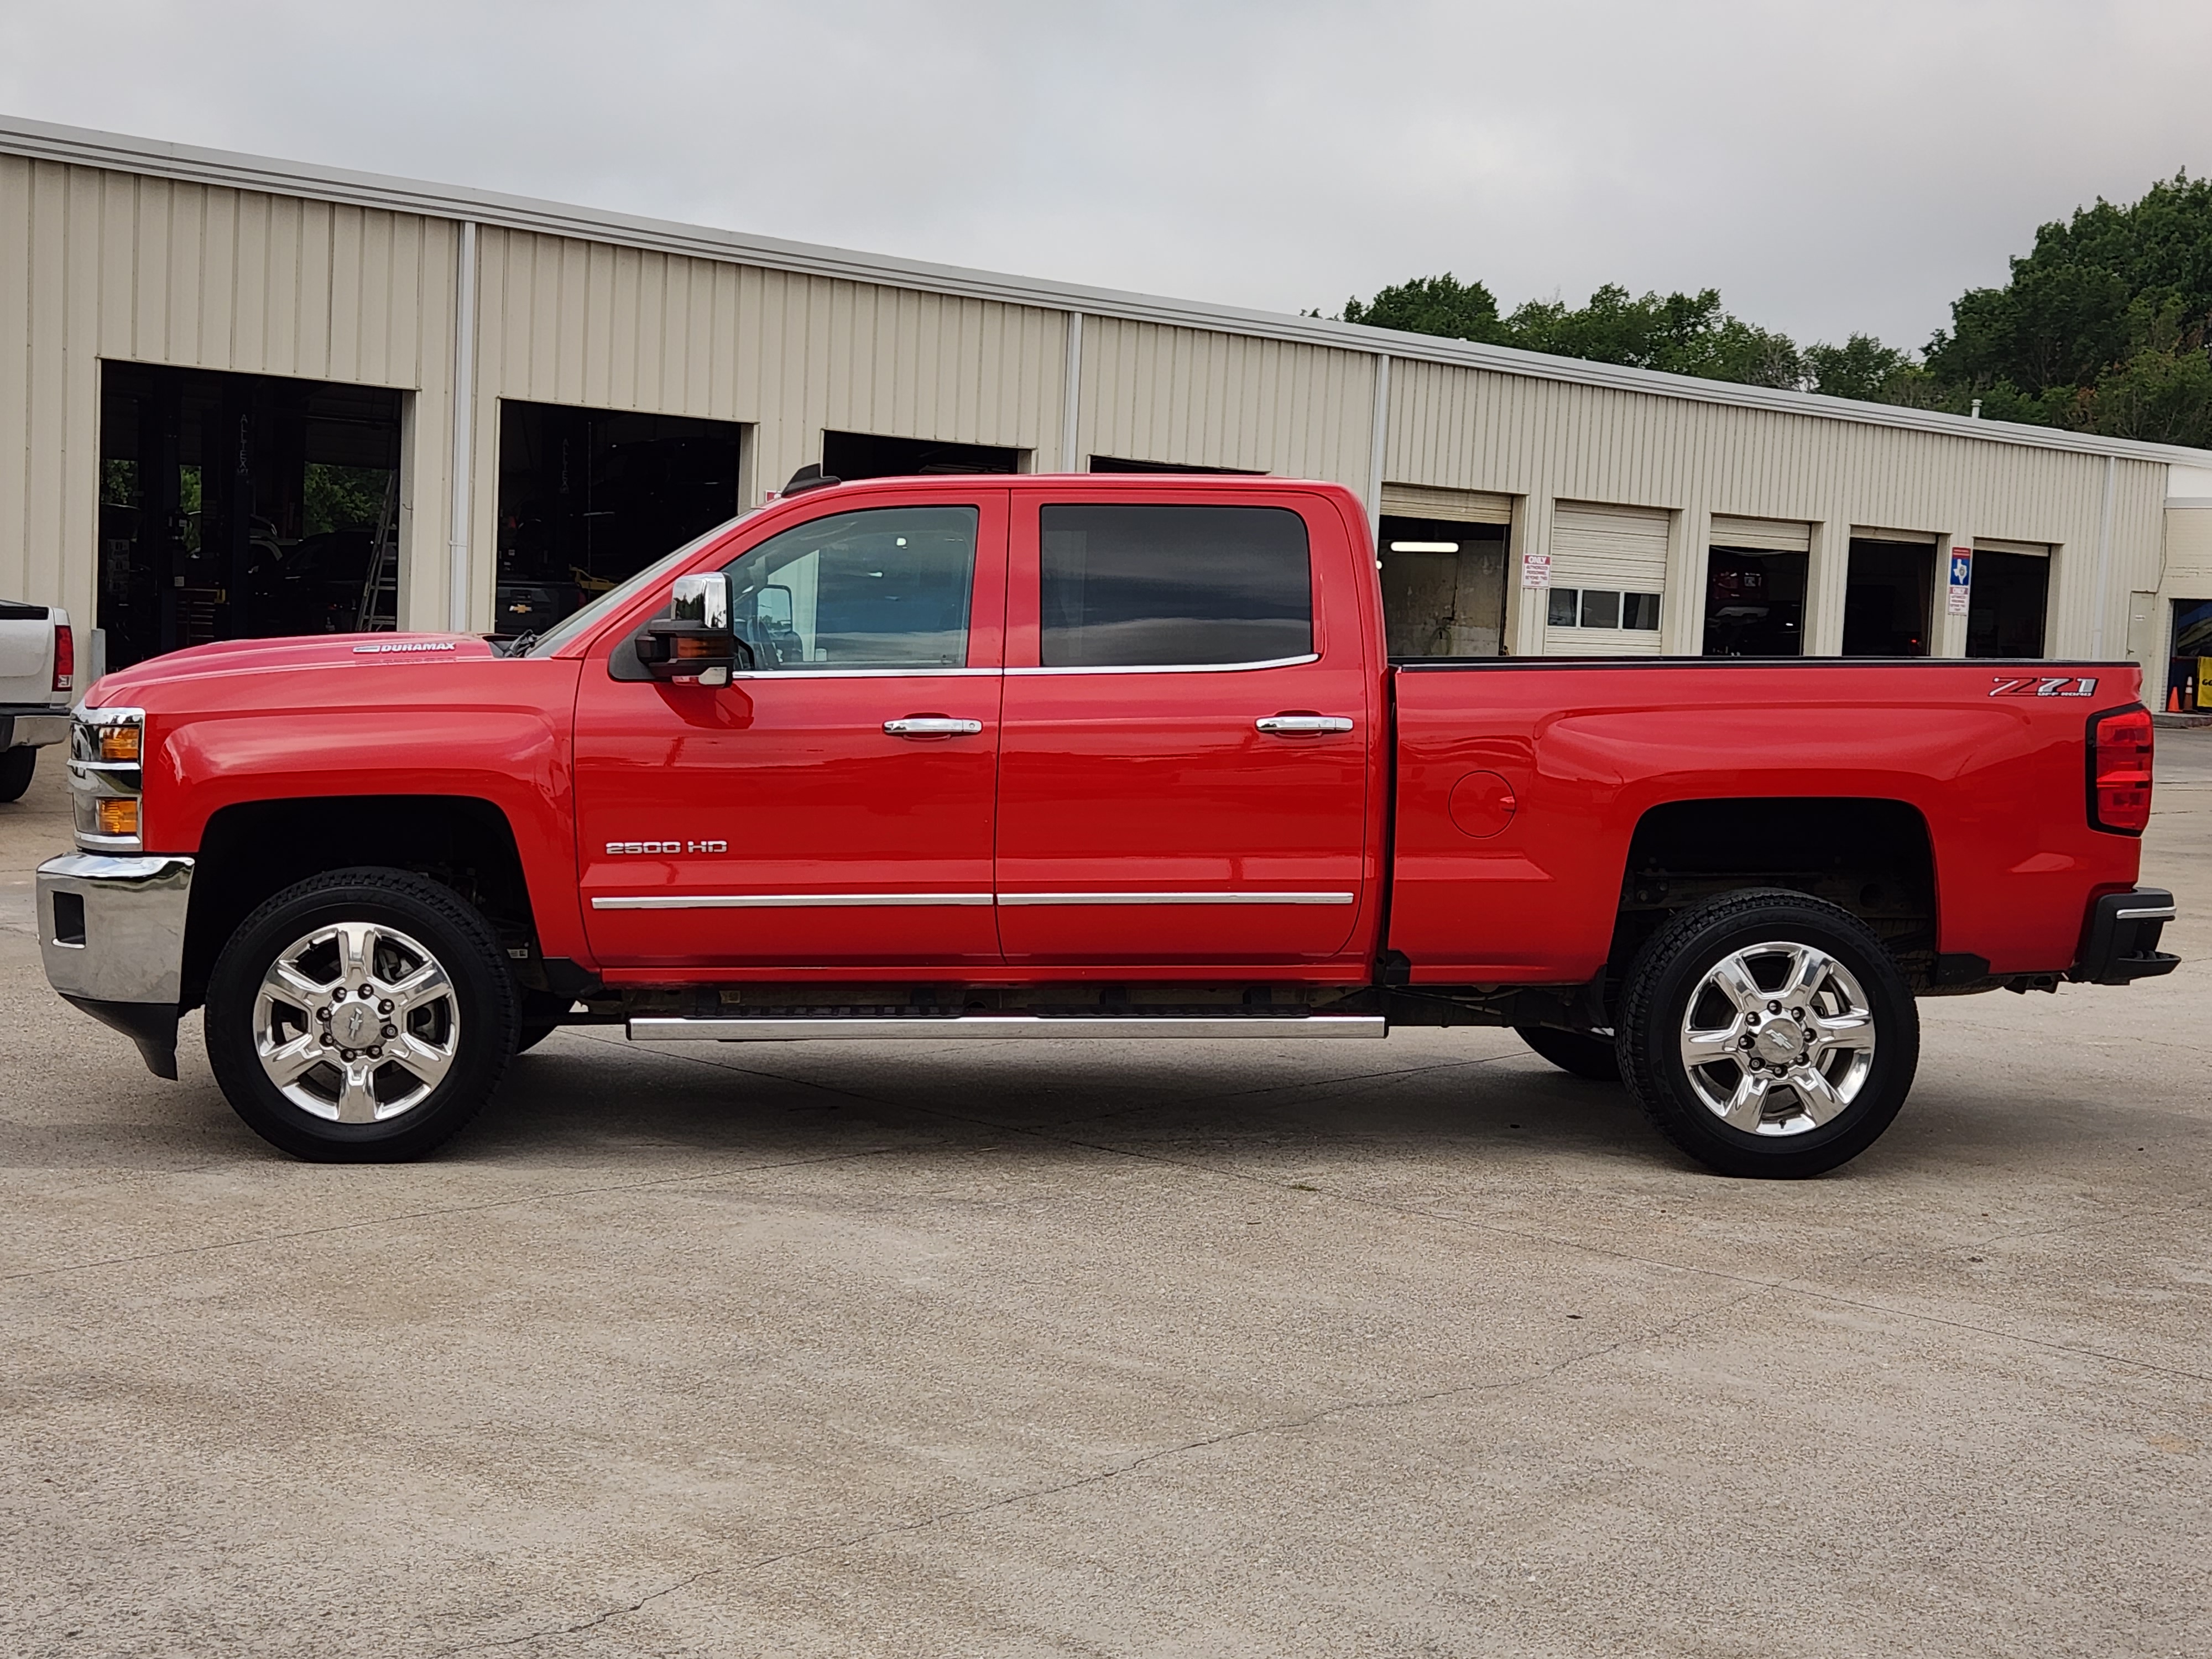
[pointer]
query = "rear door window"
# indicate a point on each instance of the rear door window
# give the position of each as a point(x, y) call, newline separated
point(1131, 586)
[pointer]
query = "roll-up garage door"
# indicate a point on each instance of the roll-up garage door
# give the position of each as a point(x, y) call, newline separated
point(1762, 534)
point(1609, 572)
point(1459, 505)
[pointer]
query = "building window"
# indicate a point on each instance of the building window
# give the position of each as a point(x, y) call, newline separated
point(1602, 607)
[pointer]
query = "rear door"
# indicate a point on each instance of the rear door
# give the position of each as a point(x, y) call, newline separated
point(1184, 773)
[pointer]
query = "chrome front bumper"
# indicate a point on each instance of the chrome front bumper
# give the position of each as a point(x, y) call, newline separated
point(111, 933)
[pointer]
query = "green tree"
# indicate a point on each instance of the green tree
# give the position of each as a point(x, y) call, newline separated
point(2102, 327)
point(1680, 333)
point(1862, 367)
point(1433, 305)
point(342, 497)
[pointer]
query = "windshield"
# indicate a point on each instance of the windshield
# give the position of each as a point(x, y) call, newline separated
point(616, 598)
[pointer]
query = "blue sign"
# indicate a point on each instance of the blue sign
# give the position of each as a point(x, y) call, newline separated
point(1962, 568)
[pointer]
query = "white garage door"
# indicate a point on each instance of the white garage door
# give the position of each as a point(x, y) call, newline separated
point(1608, 572)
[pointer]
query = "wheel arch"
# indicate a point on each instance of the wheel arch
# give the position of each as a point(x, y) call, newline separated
point(1871, 856)
point(253, 849)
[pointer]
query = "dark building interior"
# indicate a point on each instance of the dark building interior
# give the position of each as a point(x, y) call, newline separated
point(1754, 603)
point(588, 497)
point(242, 506)
point(1886, 598)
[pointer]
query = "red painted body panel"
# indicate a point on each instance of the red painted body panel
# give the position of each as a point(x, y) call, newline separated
point(1118, 780)
point(1589, 749)
point(364, 714)
point(1104, 781)
point(786, 785)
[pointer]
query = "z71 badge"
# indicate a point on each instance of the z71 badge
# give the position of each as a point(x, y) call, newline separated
point(2044, 686)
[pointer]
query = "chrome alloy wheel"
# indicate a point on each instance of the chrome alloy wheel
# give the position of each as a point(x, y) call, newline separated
point(356, 1023)
point(1778, 1038)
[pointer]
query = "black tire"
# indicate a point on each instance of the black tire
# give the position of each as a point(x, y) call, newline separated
point(16, 766)
point(1656, 1003)
point(1586, 1056)
point(479, 1002)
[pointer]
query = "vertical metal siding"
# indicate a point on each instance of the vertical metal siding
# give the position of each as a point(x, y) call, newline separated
point(99, 263)
point(1155, 393)
point(106, 265)
point(1461, 428)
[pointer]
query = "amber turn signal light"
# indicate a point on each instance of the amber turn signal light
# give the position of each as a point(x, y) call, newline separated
point(118, 743)
point(117, 818)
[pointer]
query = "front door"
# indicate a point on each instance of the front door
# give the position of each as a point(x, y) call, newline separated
point(1184, 774)
point(832, 806)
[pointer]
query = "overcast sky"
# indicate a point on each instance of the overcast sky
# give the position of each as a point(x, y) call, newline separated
point(1831, 167)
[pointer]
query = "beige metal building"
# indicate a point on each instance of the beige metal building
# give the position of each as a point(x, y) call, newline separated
point(250, 388)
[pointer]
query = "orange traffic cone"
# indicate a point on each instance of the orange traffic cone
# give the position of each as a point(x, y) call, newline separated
point(2173, 701)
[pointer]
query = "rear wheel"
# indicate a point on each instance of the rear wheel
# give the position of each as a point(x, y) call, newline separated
point(1586, 1056)
point(361, 1016)
point(1768, 1034)
point(16, 766)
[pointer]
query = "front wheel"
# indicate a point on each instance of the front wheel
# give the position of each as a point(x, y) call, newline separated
point(1768, 1034)
point(361, 1016)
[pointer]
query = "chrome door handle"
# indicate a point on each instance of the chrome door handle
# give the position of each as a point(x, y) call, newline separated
point(932, 726)
point(1301, 725)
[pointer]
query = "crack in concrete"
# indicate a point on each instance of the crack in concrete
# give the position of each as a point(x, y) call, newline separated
point(1794, 1287)
point(1101, 1477)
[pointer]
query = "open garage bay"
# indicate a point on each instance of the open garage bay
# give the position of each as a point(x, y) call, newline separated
point(1423, 1349)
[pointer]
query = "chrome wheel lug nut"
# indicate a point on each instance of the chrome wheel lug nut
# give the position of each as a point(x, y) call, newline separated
point(1773, 1007)
point(324, 1015)
point(392, 1030)
point(384, 1007)
point(328, 1040)
point(376, 1053)
point(1743, 1042)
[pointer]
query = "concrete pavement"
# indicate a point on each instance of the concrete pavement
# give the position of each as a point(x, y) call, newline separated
point(1416, 1348)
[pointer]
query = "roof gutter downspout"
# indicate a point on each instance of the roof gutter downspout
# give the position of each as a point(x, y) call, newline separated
point(465, 421)
point(1377, 440)
point(1071, 408)
point(2103, 563)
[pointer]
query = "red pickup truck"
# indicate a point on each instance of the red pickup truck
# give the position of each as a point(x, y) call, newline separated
point(1087, 757)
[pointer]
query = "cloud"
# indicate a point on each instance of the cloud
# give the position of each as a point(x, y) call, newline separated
point(1851, 166)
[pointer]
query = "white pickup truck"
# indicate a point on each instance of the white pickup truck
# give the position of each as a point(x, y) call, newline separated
point(38, 670)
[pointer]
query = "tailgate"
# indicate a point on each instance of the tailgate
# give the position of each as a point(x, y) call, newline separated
point(26, 653)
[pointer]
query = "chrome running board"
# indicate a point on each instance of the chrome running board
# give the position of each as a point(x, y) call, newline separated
point(1000, 1027)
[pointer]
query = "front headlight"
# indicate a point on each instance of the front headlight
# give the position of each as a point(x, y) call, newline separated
point(108, 779)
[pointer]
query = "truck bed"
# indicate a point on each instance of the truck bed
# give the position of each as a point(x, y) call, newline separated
point(1523, 785)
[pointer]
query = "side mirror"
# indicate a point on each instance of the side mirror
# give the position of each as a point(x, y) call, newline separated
point(693, 642)
point(773, 606)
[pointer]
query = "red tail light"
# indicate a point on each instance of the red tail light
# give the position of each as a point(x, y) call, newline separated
point(2119, 770)
point(64, 657)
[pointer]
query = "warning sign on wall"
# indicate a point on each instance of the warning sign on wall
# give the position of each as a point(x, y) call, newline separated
point(1535, 570)
point(1962, 581)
